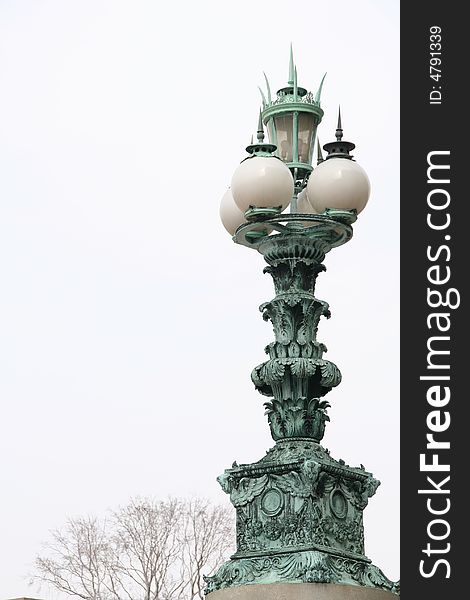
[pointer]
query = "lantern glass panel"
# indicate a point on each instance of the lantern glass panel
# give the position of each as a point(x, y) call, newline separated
point(284, 126)
point(306, 136)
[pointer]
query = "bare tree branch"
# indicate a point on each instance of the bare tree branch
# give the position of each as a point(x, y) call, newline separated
point(146, 550)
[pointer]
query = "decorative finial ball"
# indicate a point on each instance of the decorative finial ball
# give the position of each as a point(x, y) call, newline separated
point(338, 183)
point(262, 182)
point(232, 217)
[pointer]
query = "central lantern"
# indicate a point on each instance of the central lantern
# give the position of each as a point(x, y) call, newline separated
point(291, 120)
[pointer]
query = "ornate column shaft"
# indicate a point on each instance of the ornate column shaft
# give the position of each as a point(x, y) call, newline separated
point(296, 376)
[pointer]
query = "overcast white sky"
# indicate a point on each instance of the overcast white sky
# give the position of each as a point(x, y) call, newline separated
point(129, 320)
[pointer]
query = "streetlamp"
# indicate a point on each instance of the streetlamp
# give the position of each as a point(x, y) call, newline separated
point(299, 511)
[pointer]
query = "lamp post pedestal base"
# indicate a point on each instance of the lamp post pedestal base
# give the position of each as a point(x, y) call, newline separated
point(301, 591)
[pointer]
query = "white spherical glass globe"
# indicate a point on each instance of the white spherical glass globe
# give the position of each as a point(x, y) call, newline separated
point(262, 182)
point(232, 217)
point(303, 203)
point(305, 207)
point(338, 183)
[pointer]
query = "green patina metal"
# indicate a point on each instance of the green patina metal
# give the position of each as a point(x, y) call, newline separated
point(299, 519)
point(261, 148)
point(299, 511)
point(292, 101)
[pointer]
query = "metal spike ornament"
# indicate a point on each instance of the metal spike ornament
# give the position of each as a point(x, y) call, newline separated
point(318, 94)
point(299, 511)
point(339, 129)
point(260, 132)
point(291, 67)
point(268, 89)
point(339, 148)
point(261, 148)
point(319, 152)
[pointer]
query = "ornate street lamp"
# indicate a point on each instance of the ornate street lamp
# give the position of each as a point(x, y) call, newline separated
point(299, 511)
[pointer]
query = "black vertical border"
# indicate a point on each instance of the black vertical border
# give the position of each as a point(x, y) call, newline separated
point(425, 128)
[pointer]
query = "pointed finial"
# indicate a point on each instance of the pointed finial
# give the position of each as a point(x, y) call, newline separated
point(339, 129)
point(340, 148)
point(260, 148)
point(267, 88)
point(319, 153)
point(291, 67)
point(263, 97)
point(318, 94)
point(251, 141)
point(295, 84)
point(260, 132)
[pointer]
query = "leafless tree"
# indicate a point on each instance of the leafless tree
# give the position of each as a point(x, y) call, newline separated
point(146, 547)
point(77, 559)
point(207, 538)
point(147, 550)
